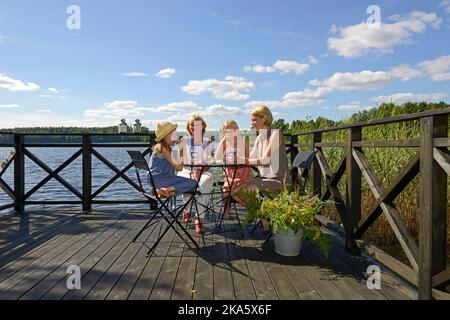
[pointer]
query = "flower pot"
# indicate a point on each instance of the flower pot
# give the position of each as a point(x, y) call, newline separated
point(288, 245)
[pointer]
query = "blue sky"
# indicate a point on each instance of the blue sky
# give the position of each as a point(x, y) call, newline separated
point(156, 60)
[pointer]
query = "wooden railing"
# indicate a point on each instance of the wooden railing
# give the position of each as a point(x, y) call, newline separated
point(432, 162)
point(86, 150)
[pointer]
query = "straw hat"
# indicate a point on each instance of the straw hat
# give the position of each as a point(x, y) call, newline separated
point(163, 129)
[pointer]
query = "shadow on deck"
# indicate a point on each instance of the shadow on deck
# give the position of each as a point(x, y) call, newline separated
point(37, 248)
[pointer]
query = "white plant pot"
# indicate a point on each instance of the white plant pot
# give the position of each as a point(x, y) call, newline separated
point(288, 245)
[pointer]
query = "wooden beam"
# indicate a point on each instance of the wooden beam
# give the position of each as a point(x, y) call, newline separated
point(387, 144)
point(443, 158)
point(87, 172)
point(405, 177)
point(316, 182)
point(335, 178)
point(19, 174)
point(40, 163)
point(7, 162)
point(441, 277)
point(51, 175)
point(393, 217)
point(442, 142)
point(7, 189)
point(119, 173)
point(334, 191)
point(293, 149)
point(433, 205)
point(353, 189)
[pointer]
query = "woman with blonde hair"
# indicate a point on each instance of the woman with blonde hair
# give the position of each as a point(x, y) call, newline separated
point(192, 150)
point(232, 147)
point(268, 154)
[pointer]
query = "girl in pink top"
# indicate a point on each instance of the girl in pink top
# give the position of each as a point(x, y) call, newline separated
point(231, 148)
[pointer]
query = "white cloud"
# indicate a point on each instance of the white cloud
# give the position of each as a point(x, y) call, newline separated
point(44, 111)
point(165, 73)
point(135, 74)
point(280, 66)
point(221, 110)
point(13, 85)
point(313, 60)
point(360, 39)
point(341, 81)
point(352, 81)
point(235, 23)
point(438, 69)
point(410, 97)
point(294, 99)
point(117, 109)
point(446, 5)
point(9, 106)
point(53, 90)
point(231, 88)
point(405, 72)
point(52, 96)
point(354, 106)
point(177, 107)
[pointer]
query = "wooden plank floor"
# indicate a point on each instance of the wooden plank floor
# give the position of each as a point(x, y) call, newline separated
point(37, 248)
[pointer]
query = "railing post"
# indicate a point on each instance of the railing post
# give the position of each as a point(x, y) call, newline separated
point(87, 173)
point(433, 206)
point(152, 141)
point(293, 149)
point(19, 174)
point(316, 183)
point(353, 191)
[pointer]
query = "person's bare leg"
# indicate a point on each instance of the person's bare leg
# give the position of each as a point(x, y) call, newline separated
point(248, 188)
point(163, 192)
point(226, 210)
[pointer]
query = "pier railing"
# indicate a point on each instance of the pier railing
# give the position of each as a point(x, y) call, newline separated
point(86, 149)
point(431, 162)
point(428, 257)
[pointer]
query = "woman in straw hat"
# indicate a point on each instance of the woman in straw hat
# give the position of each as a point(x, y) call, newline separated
point(163, 165)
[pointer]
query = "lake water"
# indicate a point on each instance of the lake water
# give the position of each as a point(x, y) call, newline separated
point(53, 190)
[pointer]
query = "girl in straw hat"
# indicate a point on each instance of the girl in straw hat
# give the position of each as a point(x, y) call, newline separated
point(163, 166)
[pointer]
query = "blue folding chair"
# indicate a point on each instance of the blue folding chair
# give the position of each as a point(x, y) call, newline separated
point(168, 213)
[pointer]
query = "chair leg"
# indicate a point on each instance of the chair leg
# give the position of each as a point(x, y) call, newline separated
point(198, 217)
point(147, 225)
point(256, 226)
point(170, 225)
point(239, 221)
point(267, 238)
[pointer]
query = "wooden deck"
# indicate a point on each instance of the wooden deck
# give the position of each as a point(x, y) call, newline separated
point(37, 248)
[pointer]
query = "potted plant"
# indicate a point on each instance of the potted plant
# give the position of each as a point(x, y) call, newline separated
point(292, 218)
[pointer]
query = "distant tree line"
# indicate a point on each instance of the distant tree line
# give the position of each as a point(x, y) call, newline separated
point(385, 110)
point(74, 138)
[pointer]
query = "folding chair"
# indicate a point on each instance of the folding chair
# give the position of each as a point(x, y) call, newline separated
point(172, 214)
point(231, 203)
point(301, 166)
